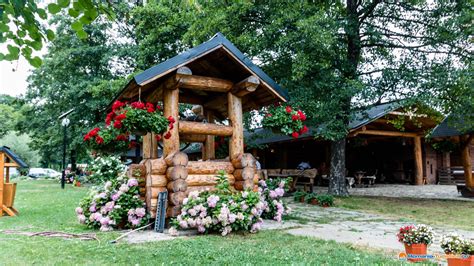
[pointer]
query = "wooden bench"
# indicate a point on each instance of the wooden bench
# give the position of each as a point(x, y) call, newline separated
point(303, 177)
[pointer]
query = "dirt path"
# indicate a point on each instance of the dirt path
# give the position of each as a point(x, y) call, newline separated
point(358, 228)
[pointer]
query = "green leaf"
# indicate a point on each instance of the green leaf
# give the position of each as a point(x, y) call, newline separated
point(37, 45)
point(64, 3)
point(35, 61)
point(92, 14)
point(50, 35)
point(21, 33)
point(82, 34)
point(26, 51)
point(4, 27)
point(13, 50)
point(2, 56)
point(85, 20)
point(77, 6)
point(42, 13)
point(73, 13)
point(54, 8)
point(76, 26)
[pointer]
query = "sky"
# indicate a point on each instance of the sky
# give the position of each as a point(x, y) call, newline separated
point(13, 76)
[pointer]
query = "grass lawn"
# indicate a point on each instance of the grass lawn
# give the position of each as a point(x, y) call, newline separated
point(457, 214)
point(44, 206)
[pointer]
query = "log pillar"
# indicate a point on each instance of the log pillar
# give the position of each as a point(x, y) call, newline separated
point(418, 161)
point(446, 159)
point(171, 108)
point(150, 146)
point(236, 143)
point(466, 161)
point(208, 149)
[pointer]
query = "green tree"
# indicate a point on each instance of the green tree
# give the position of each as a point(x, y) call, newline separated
point(22, 30)
point(20, 144)
point(79, 74)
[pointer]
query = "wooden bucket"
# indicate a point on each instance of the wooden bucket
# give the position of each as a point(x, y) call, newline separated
point(9, 191)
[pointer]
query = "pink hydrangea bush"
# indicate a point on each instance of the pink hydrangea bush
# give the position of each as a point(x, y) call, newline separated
point(222, 210)
point(271, 193)
point(115, 204)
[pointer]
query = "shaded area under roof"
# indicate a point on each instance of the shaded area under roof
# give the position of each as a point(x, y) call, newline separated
point(217, 58)
point(13, 156)
point(372, 113)
point(452, 126)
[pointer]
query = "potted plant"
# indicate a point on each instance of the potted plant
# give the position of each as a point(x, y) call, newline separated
point(416, 239)
point(285, 119)
point(325, 200)
point(107, 140)
point(459, 251)
point(311, 198)
point(299, 196)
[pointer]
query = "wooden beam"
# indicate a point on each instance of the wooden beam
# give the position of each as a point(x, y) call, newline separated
point(170, 84)
point(192, 138)
point(246, 86)
point(208, 149)
point(203, 83)
point(171, 108)
point(418, 161)
point(236, 143)
point(187, 127)
point(11, 165)
point(386, 133)
point(466, 160)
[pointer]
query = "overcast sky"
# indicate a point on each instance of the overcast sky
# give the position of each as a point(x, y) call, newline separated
point(13, 76)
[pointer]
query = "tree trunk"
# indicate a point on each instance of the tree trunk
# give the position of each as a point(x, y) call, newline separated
point(337, 178)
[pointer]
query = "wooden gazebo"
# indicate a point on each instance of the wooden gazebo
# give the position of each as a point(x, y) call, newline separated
point(7, 190)
point(221, 83)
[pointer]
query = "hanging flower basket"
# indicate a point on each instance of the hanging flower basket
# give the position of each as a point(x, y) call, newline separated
point(284, 120)
point(107, 140)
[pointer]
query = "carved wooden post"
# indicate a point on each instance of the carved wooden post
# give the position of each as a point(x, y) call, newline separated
point(209, 152)
point(236, 143)
point(150, 146)
point(466, 160)
point(170, 102)
point(418, 161)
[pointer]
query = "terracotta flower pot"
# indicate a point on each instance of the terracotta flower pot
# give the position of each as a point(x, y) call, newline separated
point(461, 261)
point(314, 202)
point(302, 199)
point(415, 250)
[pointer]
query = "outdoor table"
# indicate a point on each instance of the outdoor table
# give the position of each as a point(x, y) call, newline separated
point(358, 176)
point(294, 181)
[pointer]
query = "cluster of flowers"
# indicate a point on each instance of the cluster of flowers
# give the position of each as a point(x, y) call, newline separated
point(225, 210)
point(115, 204)
point(416, 234)
point(285, 119)
point(105, 168)
point(271, 192)
point(125, 119)
point(455, 244)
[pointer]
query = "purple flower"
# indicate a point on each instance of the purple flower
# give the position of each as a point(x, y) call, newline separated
point(79, 210)
point(92, 208)
point(135, 222)
point(273, 194)
point(116, 196)
point(104, 228)
point(109, 206)
point(183, 224)
point(280, 192)
point(192, 212)
point(132, 182)
point(81, 218)
point(105, 221)
point(201, 229)
point(282, 184)
point(123, 188)
point(212, 201)
point(102, 195)
point(245, 194)
point(140, 212)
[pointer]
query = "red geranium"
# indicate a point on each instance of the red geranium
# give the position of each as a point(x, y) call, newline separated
point(158, 137)
point(138, 105)
point(121, 137)
point(132, 144)
point(121, 117)
point(150, 108)
point(117, 124)
point(117, 105)
point(171, 119)
point(304, 129)
point(295, 117)
point(284, 119)
point(301, 115)
point(99, 140)
point(295, 135)
point(288, 109)
point(167, 135)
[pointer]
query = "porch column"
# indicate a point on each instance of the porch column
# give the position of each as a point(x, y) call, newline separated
point(171, 108)
point(236, 143)
point(418, 161)
point(209, 152)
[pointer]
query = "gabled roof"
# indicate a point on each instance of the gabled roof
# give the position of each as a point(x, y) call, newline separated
point(372, 113)
point(13, 156)
point(218, 58)
point(452, 126)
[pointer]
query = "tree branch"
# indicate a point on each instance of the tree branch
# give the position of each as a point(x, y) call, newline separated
point(368, 10)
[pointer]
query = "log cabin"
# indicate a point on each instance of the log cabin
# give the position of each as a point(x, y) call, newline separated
point(8, 159)
point(222, 83)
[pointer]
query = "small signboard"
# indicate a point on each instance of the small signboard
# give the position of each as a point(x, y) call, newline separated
point(161, 212)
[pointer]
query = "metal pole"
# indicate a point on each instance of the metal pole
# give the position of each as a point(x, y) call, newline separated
point(63, 177)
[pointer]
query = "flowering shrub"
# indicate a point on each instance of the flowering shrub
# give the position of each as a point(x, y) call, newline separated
point(416, 234)
point(452, 243)
point(139, 117)
point(222, 210)
point(106, 168)
point(271, 191)
point(285, 119)
point(116, 204)
point(325, 200)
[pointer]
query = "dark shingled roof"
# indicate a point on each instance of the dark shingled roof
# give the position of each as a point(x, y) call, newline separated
point(264, 136)
point(450, 127)
point(13, 156)
point(217, 41)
